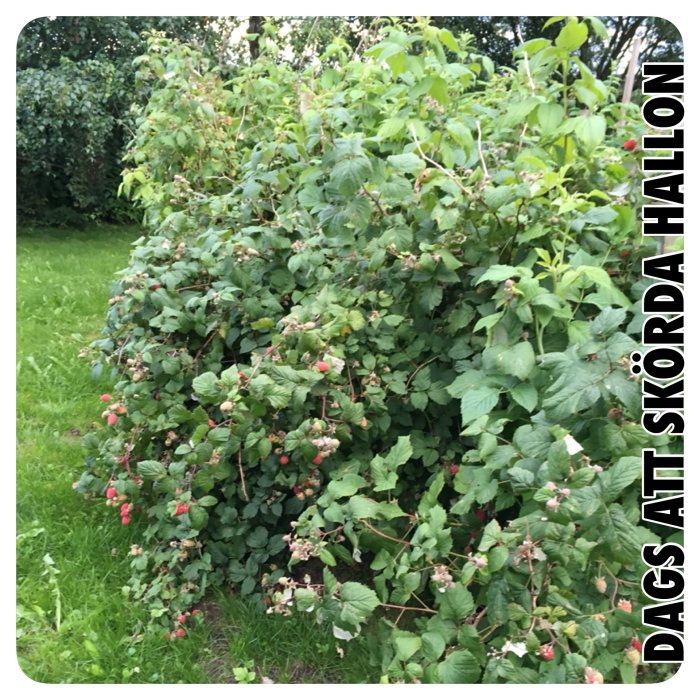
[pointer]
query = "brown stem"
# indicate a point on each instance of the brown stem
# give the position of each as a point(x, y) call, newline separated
point(240, 471)
point(353, 396)
point(374, 199)
point(206, 342)
point(384, 535)
point(437, 165)
point(478, 617)
point(408, 607)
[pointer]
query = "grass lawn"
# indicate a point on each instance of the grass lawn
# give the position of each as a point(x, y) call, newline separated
point(73, 623)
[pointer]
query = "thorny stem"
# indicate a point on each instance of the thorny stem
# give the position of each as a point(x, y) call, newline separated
point(437, 165)
point(384, 535)
point(353, 396)
point(240, 471)
point(404, 608)
point(374, 199)
point(481, 153)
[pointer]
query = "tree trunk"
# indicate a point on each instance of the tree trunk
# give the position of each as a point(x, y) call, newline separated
point(255, 25)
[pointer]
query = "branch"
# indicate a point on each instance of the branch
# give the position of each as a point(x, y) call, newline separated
point(384, 535)
point(436, 164)
point(407, 607)
point(240, 471)
point(374, 199)
point(526, 62)
point(481, 154)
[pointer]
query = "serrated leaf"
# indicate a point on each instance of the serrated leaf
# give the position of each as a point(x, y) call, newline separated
point(150, 469)
point(478, 402)
point(357, 602)
point(205, 385)
point(459, 667)
point(591, 131)
point(433, 644)
point(350, 173)
point(498, 273)
point(525, 394)
point(621, 475)
point(550, 115)
point(455, 603)
point(517, 360)
point(407, 163)
point(361, 507)
point(572, 35)
point(347, 485)
point(406, 643)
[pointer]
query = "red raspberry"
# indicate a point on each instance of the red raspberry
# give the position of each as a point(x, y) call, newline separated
point(111, 419)
point(547, 652)
point(637, 644)
point(195, 611)
point(322, 366)
point(454, 469)
point(111, 492)
point(182, 508)
point(212, 424)
point(182, 619)
point(480, 514)
point(155, 286)
point(126, 519)
point(284, 460)
point(179, 632)
point(624, 253)
point(629, 145)
point(318, 459)
point(106, 398)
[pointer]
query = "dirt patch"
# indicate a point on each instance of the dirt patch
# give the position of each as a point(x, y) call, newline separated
point(218, 665)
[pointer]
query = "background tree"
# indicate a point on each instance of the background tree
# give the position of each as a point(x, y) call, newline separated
point(75, 86)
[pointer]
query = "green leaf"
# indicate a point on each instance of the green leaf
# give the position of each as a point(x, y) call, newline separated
point(347, 485)
point(384, 469)
point(525, 394)
point(152, 470)
point(350, 173)
point(498, 273)
point(357, 602)
point(205, 385)
point(591, 131)
point(572, 35)
point(618, 534)
point(460, 133)
point(478, 402)
point(207, 501)
point(406, 643)
point(459, 667)
point(607, 321)
point(550, 115)
point(362, 507)
point(198, 517)
point(407, 163)
point(497, 558)
point(621, 475)
point(391, 127)
point(491, 536)
point(518, 360)
point(455, 603)
point(433, 644)
point(447, 38)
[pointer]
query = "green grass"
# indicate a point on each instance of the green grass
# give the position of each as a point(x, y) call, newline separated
point(73, 623)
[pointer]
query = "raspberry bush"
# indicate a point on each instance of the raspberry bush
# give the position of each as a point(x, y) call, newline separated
point(371, 359)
